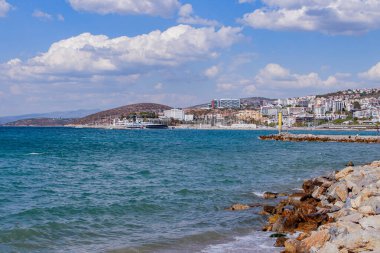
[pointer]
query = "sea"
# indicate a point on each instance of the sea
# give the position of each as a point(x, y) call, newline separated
point(121, 191)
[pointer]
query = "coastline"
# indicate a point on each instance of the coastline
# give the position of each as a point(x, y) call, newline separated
point(339, 212)
point(207, 127)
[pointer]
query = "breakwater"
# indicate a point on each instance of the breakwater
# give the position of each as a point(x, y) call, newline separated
point(339, 212)
point(321, 138)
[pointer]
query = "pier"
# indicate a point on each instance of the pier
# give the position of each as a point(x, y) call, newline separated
point(321, 138)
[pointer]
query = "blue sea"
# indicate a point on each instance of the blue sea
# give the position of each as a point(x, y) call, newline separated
point(97, 190)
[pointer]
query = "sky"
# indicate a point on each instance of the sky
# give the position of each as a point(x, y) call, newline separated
point(65, 55)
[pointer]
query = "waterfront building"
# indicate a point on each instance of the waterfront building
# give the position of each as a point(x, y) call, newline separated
point(247, 115)
point(296, 110)
point(225, 103)
point(189, 117)
point(338, 106)
point(174, 114)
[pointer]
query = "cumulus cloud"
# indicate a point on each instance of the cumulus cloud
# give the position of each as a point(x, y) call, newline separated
point(4, 8)
point(274, 80)
point(211, 72)
point(89, 55)
point(186, 16)
point(162, 8)
point(158, 86)
point(246, 85)
point(332, 17)
point(372, 74)
point(275, 76)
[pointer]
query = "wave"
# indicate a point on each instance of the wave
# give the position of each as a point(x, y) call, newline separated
point(259, 194)
point(259, 242)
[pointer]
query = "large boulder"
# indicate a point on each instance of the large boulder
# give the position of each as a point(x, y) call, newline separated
point(317, 239)
point(343, 173)
point(295, 246)
point(238, 207)
point(341, 191)
point(270, 195)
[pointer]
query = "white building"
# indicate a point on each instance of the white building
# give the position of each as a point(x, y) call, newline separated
point(189, 117)
point(338, 106)
point(225, 103)
point(175, 114)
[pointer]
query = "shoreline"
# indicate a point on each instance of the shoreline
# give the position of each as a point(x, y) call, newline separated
point(339, 212)
point(108, 127)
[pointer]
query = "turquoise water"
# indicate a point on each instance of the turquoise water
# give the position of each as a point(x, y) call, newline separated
point(91, 190)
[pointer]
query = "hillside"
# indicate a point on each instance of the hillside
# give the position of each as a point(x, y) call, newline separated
point(375, 92)
point(51, 115)
point(123, 111)
point(46, 122)
point(251, 102)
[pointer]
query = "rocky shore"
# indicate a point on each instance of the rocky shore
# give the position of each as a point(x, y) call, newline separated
point(336, 213)
point(321, 138)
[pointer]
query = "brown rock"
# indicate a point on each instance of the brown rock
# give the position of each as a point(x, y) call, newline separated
point(302, 236)
point(294, 246)
point(307, 226)
point(295, 198)
point(269, 209)
point(272, 219)
point(270, 195)
point(238, 207)
point(316, 239)
point(316, 217)
point(341, 191)
point(308, 186)
point(318, 191)
point(280, 242)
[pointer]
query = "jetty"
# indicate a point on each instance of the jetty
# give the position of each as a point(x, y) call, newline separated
point(321, 138)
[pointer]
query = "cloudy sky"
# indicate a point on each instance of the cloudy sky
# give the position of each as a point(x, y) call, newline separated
point(84, 54)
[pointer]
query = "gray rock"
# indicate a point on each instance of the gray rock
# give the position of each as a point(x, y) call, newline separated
point(370, 222)
point(328, 248)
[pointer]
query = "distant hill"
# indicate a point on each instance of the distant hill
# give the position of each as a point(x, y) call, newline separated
point(363, 93)
point(256, 101)
point(40, 122)
point(54, 115)
point(123, 111)
point(246, 102)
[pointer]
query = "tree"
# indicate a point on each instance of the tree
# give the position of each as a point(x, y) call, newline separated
point(357, 105)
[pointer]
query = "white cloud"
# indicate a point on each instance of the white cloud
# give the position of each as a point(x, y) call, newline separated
point(42, 15)
point(4, 8)
point(15, 90)
point(158, 86)
point(250, 90)
point(162, 8)
point(372, 74)
point(245, 1)
point(88, 55)
point(211, 72)
point(60, 17)
point(186, 16)
point(326, 16)
point(275, 76)
point(245, 85)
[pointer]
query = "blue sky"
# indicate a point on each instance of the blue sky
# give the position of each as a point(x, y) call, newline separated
point(83, 54)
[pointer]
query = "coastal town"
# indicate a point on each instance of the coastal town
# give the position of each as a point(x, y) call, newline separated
point(348, 109)
point(358, 108)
